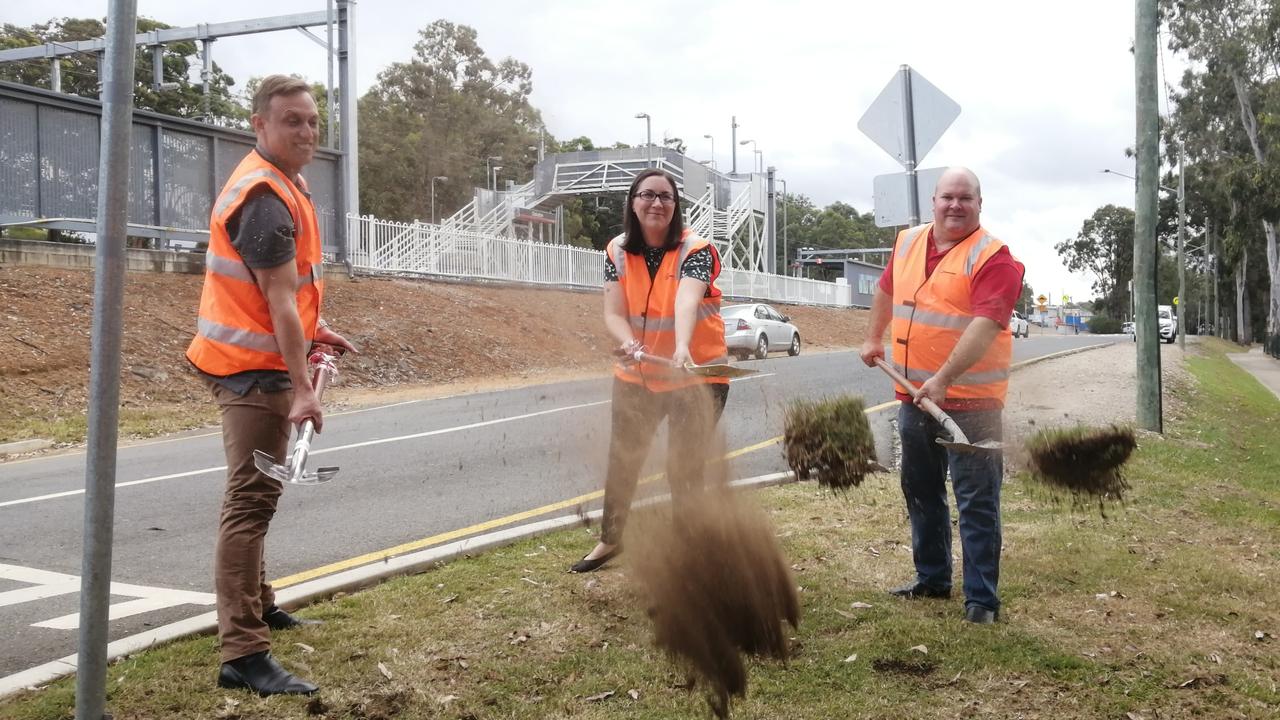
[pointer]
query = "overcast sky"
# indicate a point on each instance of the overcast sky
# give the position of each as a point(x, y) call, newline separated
point(1045, 89)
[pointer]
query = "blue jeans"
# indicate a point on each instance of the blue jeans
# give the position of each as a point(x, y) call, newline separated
point(976, 478)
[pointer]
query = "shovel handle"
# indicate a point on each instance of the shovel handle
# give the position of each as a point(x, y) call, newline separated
point(929, 406)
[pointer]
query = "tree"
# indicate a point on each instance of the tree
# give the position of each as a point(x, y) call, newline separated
point(80, 71)
point(1104, 249)
point(443, 112)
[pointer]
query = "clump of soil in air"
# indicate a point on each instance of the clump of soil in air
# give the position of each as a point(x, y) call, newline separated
point(1086, 462)
point(715, 581)
point(830, 440)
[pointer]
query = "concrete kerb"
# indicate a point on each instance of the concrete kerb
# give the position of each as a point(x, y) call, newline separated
point(374, 573)
point(345, 581)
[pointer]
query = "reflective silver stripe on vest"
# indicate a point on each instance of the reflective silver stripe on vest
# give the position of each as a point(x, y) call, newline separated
point(705, 310)
point(910, 237)
point(933, 319)
point(246, 339)
point(316, 274)
point(977, 378)
point(975, 252)
point(227, 267)
point(232, 194)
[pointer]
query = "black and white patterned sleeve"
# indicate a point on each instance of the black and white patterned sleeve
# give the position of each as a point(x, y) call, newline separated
point(699, 265)
point(610, 270)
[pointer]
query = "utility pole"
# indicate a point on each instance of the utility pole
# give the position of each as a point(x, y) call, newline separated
point(1182, 249)
point(1146, 323)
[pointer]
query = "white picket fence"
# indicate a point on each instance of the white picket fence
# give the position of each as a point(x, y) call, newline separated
point(384, 247)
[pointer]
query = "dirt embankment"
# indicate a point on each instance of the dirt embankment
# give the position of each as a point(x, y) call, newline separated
point(414, 337)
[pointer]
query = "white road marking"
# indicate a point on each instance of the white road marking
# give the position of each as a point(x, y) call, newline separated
point(320, 451)
point(45, 584)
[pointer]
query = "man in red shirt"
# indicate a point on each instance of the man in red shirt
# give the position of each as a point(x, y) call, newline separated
point(949, 291)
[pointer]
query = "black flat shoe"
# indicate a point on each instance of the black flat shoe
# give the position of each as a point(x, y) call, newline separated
point(979, 615)
point(277, 619)
point(913, 590)
point(585, 566)
point(261, 673)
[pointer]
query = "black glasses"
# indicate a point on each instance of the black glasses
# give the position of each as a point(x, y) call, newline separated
point(650, 196)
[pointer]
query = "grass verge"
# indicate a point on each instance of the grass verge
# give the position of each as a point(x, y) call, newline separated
point(1166, 608)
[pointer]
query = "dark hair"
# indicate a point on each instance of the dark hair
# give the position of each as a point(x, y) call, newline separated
point(273, 85)
point(634, 242)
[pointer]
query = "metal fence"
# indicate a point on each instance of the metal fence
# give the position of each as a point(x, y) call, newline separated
point(380, 246)
point(49, 168)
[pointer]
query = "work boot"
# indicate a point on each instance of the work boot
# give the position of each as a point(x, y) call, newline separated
point(917, 589)
point(979, 615)
point(277, 619)
point(261, 673)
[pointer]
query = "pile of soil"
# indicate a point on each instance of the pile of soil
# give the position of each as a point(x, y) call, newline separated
point(415, 333)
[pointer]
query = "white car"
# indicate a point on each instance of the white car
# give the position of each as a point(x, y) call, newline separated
point(756, 329)
point(1019, 326)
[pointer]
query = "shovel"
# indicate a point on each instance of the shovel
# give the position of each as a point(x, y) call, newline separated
point(723, 370)
point(295, 471)
point(958, 439)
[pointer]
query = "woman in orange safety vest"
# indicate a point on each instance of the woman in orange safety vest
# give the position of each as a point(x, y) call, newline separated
point(660, 295)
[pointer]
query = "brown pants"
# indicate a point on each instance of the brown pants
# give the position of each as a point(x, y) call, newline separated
point(256, 421)
point(691, 413)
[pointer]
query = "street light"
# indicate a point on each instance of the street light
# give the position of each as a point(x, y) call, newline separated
point(753, 144)
point(496, 168)
point(648, 138)
point(1166, 188)
point(488, 168)
point(713, 150)
point(434, 180)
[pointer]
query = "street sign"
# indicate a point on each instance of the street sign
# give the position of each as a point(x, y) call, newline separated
point(1066, 299)
point(932, 113)
point(891, 191)
point(1175, 300)
point(1042, 300)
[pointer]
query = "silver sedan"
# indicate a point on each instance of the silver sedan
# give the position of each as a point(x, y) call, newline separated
point(756, 329)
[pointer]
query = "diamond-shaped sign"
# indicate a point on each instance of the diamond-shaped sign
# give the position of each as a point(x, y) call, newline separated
point(932, 113)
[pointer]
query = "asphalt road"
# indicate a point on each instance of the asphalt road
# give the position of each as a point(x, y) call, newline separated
point(408, 471)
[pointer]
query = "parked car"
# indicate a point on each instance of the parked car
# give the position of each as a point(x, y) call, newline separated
point(756, 329)
point(1019, 326)
point(1127, 328)
point(1168, 323)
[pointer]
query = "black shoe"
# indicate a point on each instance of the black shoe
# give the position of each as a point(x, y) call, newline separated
point(261, 673)
point(981, 616)
point(277, 619)
point(913, 590)
point(585, 566)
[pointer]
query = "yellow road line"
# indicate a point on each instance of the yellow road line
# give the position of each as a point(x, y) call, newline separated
point(444, 537)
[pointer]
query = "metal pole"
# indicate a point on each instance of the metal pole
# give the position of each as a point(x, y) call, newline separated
point(1146, 322)
point(1182, 253)
point(433, 201)
point(1213, 259)
point(55, 74)
point(909, 125)
point(104, 373)
point(329, 99)
point(771, 228)
point(733, 142)
point(206, 78)
point(648, 142)
point(157, 67)
point(786, 261)
point(348, 130)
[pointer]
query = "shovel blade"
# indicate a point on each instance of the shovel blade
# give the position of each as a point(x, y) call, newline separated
point(268, 466)
point(723, 370)
point(319, 477)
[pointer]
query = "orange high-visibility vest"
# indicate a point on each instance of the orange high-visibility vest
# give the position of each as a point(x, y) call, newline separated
point(651, 306)
point(930, 315)
point(234, 331)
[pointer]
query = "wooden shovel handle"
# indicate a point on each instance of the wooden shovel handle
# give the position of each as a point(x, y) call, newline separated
point(929, 406)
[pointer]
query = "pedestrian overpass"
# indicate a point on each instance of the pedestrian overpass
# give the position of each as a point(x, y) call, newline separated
point(730, 210)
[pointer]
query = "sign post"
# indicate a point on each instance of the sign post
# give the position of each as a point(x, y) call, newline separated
point(905, 120)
